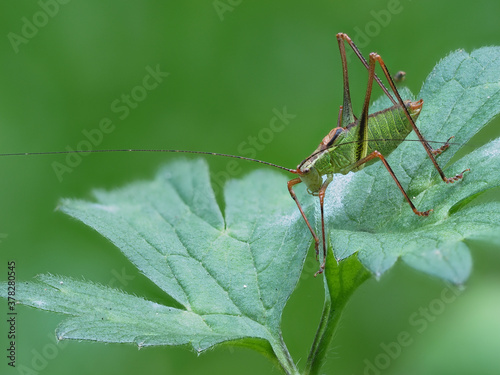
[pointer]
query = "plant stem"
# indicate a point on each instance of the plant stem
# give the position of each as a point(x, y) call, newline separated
point(329, 320)
point(284, 358)
point(341, 280)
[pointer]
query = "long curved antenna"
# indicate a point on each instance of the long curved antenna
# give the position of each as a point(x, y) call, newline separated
point(199, 152)
point(148, 150)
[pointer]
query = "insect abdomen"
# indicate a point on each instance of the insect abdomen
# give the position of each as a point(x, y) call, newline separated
point(387, 129)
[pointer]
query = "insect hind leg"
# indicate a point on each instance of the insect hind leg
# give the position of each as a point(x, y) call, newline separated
point(376, 154)
point(439, 151)
point(430, 152)
point(341, 38)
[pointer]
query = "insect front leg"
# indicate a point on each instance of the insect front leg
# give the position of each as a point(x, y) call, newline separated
point(321, 195)
point(291, 184)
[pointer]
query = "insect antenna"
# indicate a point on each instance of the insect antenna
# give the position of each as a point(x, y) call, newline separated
point(148, 151)
point(65, 152)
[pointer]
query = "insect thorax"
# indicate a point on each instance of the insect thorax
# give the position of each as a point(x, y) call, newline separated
point(386, 130)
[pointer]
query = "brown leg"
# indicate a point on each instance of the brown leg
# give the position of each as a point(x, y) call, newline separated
point(348, 114)
point(439, 151)
point(375, 57)
point(362, 147)
point(321, 195)
point(428, 149)
point(341, 37)
point(376, 154)
point(291, 184)
point(339, 119)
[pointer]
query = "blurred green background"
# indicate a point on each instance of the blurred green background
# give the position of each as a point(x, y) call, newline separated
point(228, 70)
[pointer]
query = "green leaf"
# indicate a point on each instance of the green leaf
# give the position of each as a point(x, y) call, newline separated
point(108, 315)
point(232, 274)
point(368, 213)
